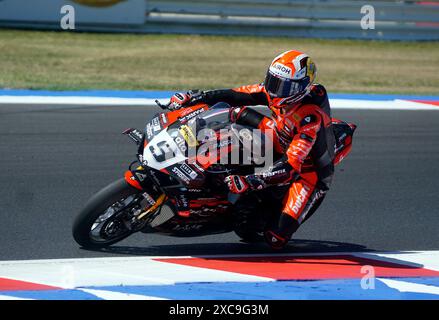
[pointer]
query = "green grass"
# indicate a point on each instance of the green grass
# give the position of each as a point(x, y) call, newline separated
point(70, 61)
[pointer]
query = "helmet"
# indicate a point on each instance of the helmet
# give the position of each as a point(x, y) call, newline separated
point(289, 78)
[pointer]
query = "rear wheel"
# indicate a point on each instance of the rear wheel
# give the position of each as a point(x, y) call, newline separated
point(109, 216)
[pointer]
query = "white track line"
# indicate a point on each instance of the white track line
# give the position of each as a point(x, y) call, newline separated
point(74, 100)
point(409, 255)
point(85, 274)
point(380, 105)
point(3, 297)
point(109, 101)
point(111, 295)
point(404, 286)
point(73, 273)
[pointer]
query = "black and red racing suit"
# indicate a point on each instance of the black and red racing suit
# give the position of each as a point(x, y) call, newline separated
point(303, 135)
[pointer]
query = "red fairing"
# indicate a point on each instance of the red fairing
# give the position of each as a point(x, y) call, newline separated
point(129, 178)
point(184, 112)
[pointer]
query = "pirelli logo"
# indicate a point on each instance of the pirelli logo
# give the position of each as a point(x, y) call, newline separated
point(188, 135)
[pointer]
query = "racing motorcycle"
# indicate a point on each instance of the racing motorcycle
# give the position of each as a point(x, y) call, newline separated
point(172, 191)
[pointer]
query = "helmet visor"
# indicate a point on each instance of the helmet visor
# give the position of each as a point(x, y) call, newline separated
point(283, 88)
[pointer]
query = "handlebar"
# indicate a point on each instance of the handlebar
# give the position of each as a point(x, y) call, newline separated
point(163, 106)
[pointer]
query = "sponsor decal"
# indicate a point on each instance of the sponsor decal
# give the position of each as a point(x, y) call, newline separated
point(191, 115)
point(149, 131)
point(136, 135)
point(188, 135)
point(148, 198)
point(181, 175)
point(183, 201)
point(280, 69)
point(180, 143)
point(273, 173)
point(301, 197)
point(188, 170)
point(163, 118)
point(201, 213)
point(155, 122)
point(185, 111)
point(196, 165)
point(187, 227)
point(317, 196)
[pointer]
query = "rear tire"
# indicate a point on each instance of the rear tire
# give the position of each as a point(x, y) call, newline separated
point(94, 208)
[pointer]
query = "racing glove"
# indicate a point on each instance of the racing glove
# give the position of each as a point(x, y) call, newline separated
point(280, 173)
point(241, 184)
point(181, 100)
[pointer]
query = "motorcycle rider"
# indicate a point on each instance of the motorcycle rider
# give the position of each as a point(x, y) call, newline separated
point(301, 120)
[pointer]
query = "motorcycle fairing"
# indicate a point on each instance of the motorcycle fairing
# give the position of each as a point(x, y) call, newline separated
point(162, 151)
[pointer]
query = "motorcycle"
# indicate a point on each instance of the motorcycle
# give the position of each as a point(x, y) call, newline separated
point(191, 186)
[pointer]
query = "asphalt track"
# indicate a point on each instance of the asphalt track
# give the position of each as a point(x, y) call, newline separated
point(53, 158)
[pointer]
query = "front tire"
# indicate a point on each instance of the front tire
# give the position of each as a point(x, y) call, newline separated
point(97, 207)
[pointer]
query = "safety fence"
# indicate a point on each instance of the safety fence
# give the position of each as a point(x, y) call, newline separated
point(359, 19)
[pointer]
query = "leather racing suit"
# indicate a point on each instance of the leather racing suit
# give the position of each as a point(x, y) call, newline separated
point(304, 136)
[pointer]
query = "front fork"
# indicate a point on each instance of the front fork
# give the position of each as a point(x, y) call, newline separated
point(139, 180)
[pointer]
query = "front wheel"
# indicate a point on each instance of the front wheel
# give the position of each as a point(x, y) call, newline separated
point(107, 217)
